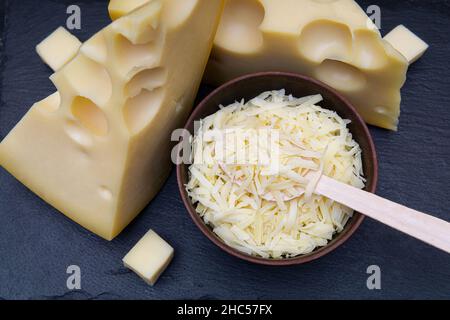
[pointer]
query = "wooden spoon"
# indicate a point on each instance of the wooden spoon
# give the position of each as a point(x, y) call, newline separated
point(429, 229)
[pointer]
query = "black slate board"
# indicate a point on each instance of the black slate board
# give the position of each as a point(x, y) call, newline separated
point(37, 243)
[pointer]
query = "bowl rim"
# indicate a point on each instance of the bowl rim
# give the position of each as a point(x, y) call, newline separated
point(317, 253)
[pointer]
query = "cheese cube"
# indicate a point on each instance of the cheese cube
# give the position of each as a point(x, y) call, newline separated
point(407, 43)
point(58, 48)
point(149, 257)
point(99, 150)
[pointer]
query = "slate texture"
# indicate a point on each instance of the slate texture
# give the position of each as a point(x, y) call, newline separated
point(37, 243)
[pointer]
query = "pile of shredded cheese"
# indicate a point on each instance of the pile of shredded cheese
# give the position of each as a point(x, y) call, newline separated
point(269, 209)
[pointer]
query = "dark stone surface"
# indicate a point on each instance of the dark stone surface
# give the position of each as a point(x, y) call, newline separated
point(37, 243)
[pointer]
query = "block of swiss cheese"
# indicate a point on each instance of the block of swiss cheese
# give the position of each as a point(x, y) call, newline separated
point(98, 150)
point(331, 40)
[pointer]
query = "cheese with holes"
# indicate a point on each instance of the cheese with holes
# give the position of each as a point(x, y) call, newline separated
point(407, 43)
point(331, 40)
point(99, 149)
point(58, 48)
point(149, 257)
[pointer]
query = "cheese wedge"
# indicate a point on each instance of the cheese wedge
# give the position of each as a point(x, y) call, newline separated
point(99, 149)
point(58, 48)
point(119, 8)
point(407, 43)
point(331, 40)
point(150, 257)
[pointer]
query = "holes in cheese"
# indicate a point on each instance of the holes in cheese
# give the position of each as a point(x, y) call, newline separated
point(380, 110)
point(95, 48)
point(149, 257)
point(369, 50)
point(90, 116)
point(132, 58)
point(341, 75)
point(105, 193)
point(239, 27)
point(324, 39)
point(141, 109)
point(146, 79)
point(78, 134)
point(87, 78)
point(58, 48)
point(140, 26)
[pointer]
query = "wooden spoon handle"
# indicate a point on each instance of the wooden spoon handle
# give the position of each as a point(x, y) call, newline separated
point(429, 229)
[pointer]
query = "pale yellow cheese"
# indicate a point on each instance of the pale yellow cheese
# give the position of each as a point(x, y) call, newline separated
point(99, 149)
point(407, 43)
point(119, 8)
point(331, 40)
point(267, 207)
point(58, 48)
point(149, 257)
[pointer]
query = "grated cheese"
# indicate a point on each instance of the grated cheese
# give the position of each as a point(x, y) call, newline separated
point(255, 168)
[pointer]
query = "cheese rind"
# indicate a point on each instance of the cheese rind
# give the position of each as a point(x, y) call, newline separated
point(407, 43)
point(99, 150)
point(150, 257)
point(58, 48)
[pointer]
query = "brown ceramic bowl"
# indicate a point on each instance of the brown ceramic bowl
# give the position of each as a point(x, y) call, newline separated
point(252, 85)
